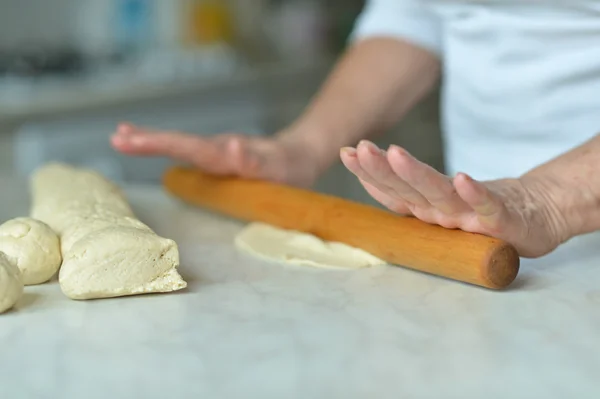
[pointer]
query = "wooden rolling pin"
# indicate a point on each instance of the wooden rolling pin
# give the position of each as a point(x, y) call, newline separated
point(399, 240)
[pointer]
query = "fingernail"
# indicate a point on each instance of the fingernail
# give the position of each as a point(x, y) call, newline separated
point(348, 151)
point(371, 147)
point(465, 176)
point(400, 151)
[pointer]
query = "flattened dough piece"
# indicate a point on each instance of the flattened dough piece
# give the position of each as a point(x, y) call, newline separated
point(33, 246)
point(106, 250)
point(11, 285)
point(299, 248)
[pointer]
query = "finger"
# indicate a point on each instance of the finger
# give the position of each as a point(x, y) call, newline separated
point(125, 128)
point(219, 155)
point(431, 184)
point(489, 209)
point(375, 163)
point(144, 141)
point(350, 160)
point(171, 144)
point(392, 203)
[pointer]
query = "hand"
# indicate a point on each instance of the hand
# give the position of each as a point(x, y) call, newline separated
point(284, 160)
point(521, 211)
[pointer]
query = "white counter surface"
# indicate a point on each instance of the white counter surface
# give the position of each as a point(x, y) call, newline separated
point(249, 329)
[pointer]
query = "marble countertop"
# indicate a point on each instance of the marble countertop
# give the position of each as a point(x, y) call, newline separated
point(249, 329)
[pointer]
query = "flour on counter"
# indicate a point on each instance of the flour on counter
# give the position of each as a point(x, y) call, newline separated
point(299, 248)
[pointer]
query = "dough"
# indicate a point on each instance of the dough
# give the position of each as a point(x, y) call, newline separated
point(11, 285)
point(300, 248)
point(106, 250)
point(33, 247)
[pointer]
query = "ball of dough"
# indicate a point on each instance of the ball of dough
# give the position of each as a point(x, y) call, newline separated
point(11, 285)
point(33, 247)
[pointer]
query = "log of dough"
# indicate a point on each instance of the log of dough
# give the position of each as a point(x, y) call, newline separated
point(11, 285)
point(106, 250)
point(33, 246)
point(299, 248)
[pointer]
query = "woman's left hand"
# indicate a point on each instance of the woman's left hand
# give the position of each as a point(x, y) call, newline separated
point(520, 211)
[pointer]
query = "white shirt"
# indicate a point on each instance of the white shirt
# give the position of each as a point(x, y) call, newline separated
point(521, 78)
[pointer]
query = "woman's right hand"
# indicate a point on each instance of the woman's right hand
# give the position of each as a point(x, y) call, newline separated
point(285, 159)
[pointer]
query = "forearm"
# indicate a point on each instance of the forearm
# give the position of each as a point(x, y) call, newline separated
point(574, 187)
point(374, 84)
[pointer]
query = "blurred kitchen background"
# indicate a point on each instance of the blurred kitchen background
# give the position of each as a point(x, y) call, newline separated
point(70, 70)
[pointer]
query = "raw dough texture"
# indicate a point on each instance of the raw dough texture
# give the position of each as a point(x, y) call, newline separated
point(33, 246)
point(11, 285)
point(106, 250)
point(300, 248)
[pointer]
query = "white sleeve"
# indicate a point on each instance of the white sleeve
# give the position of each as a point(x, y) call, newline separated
point(411, 20)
